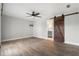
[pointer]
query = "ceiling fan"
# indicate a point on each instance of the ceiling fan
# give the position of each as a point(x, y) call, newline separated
point(34, 14)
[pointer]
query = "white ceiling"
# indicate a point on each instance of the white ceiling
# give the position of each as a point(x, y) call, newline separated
point(47, 10)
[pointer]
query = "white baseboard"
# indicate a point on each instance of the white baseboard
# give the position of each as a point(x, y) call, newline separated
point(46, 38)
point(13, 39)
point(25, 37)
point(41, 37)
point(72, 43)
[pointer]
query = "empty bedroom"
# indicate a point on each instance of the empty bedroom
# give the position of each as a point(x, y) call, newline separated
point(39, 29)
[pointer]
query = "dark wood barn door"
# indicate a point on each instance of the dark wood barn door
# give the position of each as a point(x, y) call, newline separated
point(59, 29)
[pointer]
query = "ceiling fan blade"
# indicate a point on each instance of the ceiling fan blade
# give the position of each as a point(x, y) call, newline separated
point(28, 13)
point(37, 13)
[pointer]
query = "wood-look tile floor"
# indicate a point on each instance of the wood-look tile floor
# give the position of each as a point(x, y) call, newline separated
point(37, 47)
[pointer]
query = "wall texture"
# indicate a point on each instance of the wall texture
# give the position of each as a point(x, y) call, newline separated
point(72, 29)
point(40, 29)
point(15, 28)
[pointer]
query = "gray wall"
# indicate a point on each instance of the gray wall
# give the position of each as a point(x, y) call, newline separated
point(15, 28)
point(72, 29)
point(0, 21)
